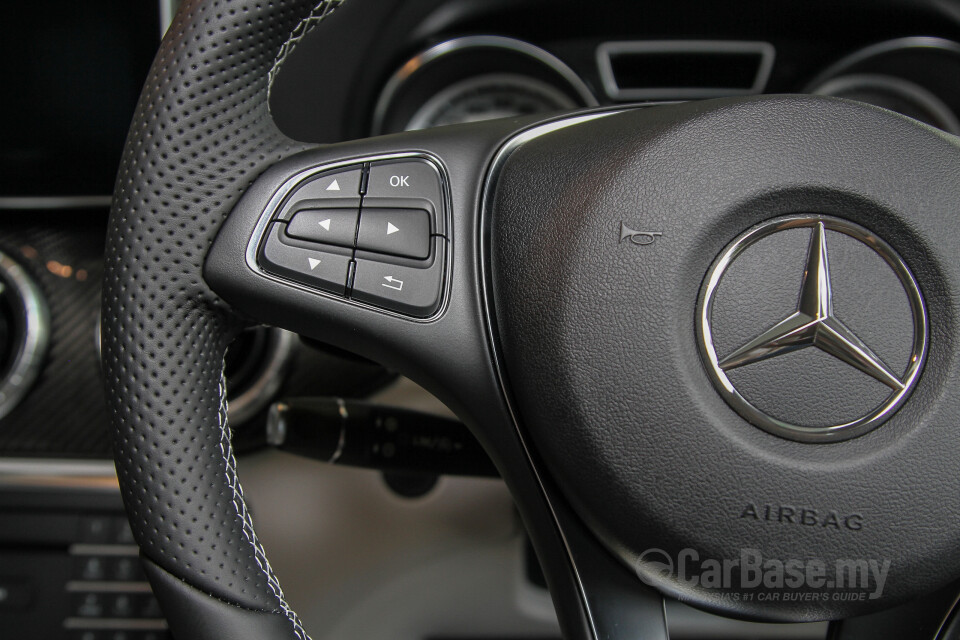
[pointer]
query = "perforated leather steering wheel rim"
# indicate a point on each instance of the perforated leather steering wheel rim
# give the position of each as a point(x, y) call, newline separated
point(200, 134)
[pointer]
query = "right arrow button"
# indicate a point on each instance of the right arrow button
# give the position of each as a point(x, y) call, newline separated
point(399, 232)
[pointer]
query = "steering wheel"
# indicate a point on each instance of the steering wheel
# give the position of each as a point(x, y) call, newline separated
point(711, 347)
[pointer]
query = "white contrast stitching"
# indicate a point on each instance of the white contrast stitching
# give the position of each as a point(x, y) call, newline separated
point(240, 505)
point(319, 13)
point(315, 17)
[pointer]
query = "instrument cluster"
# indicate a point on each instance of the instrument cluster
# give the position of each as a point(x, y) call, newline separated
point(474, 78)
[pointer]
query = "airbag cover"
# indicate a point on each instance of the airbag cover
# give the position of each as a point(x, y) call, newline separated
point(597, 335)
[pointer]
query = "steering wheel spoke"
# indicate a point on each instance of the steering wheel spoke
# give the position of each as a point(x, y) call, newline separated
point(389, 273)
point(618, 606)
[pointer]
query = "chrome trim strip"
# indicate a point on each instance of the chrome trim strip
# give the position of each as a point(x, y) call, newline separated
point(268, 382)
point(947, 619)
point(907, 90)
point(493, 174)
point(26, 362)
point(167, 9)
point(112, 624)
point(342, 439)
point(420, 60)
point(33, 203)
point(276, 424)
point(512, 81)
point(914, 42)
point(31, 467)
point(606, 50)
point(291, 183)
point(58, 475)
point(103, 550)
point(85, 586)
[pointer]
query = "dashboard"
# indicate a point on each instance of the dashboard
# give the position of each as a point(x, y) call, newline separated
point(73, 73)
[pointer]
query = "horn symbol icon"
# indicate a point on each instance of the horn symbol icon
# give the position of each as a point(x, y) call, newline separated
point(638, 237)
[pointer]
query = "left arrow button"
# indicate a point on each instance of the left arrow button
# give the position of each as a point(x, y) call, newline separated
point(329, 226)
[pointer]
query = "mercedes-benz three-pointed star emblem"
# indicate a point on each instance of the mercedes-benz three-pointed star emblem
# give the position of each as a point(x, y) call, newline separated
point(813, 325)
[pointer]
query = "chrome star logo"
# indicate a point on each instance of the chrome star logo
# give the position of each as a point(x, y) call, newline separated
point(813, 325)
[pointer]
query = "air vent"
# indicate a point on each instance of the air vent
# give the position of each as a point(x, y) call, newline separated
point(683, 69)
point(24, 332)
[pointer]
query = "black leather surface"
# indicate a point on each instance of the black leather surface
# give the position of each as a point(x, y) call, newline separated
point(200, 135)
point(195, 615)
point(608, 378)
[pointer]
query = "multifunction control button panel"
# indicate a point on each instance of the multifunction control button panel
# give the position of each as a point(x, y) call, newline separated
point(374, 232)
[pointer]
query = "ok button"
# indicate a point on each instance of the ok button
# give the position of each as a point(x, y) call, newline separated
point(400, 232)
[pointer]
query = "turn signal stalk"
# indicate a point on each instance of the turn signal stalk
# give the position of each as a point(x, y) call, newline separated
point(360, 434)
